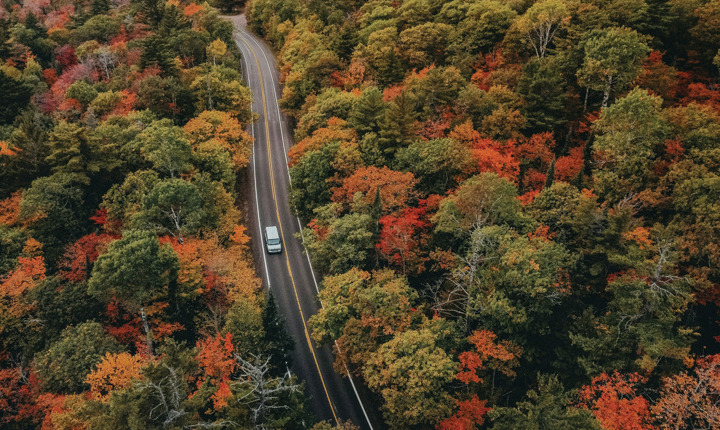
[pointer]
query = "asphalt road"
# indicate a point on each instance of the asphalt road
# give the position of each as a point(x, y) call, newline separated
point(289, 275)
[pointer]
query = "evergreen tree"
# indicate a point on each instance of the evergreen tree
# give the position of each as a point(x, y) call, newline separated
point(543, 88)
point(134, 270)
point(99, 7)
point(156, 51)
point(399, 125)
point(367, 114)
point(277, 341)
point(16, 96)
point(548, 408)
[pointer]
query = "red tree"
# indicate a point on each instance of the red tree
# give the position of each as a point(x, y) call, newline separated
point(470, 415)
point(614, 401)
point(691, 401)
point(75, 263)
point(395, 188)
point(401, 241)
point(500, 356)
point(217, 362)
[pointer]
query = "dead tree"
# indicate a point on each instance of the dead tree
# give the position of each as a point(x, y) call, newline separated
point(261, 391)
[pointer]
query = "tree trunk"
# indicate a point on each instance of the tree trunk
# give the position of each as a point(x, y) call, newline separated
point(606, 93)
point(209, 91)
point(148, 334)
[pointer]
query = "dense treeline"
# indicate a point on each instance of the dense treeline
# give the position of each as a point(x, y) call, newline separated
point(514, 204)
point(127, 289)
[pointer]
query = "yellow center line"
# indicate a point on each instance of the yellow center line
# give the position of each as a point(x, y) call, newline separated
point(282, 235)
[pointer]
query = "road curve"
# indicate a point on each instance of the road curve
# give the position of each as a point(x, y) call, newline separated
point(288, 275)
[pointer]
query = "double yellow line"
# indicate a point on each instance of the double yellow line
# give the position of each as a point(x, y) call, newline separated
point(282, 235)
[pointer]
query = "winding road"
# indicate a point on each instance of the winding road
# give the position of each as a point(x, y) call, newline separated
point(288, 275)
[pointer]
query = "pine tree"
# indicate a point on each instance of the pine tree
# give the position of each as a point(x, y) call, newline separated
point(367, 115)
point(15, 97)
point(542, 88)
point(398, 128)
point(279, 343)
point(99, 7)
point(157, 52)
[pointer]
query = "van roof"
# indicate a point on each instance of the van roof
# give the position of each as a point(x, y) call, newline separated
point(272, 232)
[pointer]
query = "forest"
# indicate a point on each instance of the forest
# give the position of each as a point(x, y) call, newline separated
point(128, 294)
point(513, 205)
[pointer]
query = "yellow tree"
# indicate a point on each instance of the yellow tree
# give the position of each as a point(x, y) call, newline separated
point(223, 129)
point(114, 372)
point(541, 22)
point(216, 49)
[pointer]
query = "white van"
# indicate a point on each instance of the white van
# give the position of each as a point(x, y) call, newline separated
point(272, 240)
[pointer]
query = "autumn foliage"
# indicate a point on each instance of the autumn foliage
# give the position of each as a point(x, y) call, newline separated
point(114, 372)
point(616, 403)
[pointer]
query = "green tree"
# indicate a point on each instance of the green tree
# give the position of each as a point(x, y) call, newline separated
point(361, 311)
point(71, 151)
point(29, 142)
point(348, 242)
point(519, 289)
point(697, 126)
point(124, 200)
point(157, 52)
point(398, 128)
point(330, 102)
point(703, 32)
point(229, 5)
point(221, 88)
point(83, 92)
point(66, 363)
point(484, 199)
point(172, 206)
point(438, 163)
point(278, 343)
point(99, 7)
point(559, 208)
point(696, 215)
point(33, 35)
point(245, 322)
point(105, 102)
point(213, 158)
point(99, 27)
point(412, 372)
point(437, 90)
point(540, 23)
point(368, 113)
point(54, 207)
point(628, 134)
point(16, 96)
point(12, 241)
point(380, 55)
point(641, 328)
point(613, 59)
point(484, 25)
point(134, 269)
point(60, 304)
point(166, 147)
point(309, 188)
point(548, 408)
point(424, 44)
point(166, 97)
point(542, 87)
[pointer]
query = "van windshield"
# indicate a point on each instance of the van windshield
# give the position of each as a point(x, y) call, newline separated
point(273, 241)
